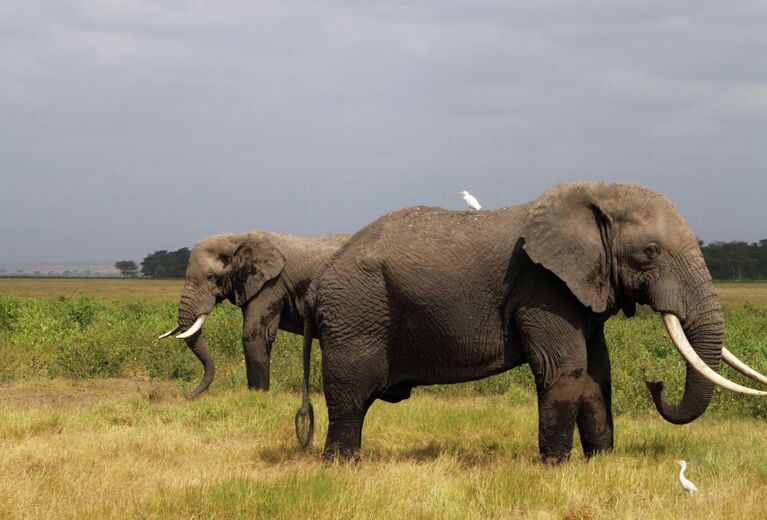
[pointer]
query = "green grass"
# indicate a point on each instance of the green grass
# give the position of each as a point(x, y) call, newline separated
point(85, 338)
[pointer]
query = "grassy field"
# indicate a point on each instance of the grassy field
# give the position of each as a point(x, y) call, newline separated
point(159, 291)
point(134, 289)
point(117, 449)
point(94, 424)
point(736, 293)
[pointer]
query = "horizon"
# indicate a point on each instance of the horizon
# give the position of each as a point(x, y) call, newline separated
point(96, 263)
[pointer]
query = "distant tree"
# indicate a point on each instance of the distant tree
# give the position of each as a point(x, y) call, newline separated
point(127, 268)
point(736, 260)
point(166, 264)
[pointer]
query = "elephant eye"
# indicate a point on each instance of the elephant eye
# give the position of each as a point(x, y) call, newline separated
point(652, 250)
point(211, 277)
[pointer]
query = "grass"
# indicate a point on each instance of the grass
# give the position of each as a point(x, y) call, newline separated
point(128, 289)
point(85, 338)
point(163, 291)
point(145, 452)
point(739, 293)
point(93, 423)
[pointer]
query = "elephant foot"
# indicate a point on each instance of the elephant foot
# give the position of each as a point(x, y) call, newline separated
point(555, 457)
point(338, 454)
point(344, 439)
point(595, 451)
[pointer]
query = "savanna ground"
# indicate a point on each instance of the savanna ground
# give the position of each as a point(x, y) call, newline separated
point(94, 424)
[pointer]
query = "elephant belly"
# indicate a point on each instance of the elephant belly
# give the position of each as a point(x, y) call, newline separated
point(433, 360)
point(450, 340)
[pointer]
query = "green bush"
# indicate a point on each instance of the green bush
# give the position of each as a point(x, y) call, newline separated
point(84, 338)
point(89, 357)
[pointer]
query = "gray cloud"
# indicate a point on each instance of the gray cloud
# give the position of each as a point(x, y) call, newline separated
point(131, 127)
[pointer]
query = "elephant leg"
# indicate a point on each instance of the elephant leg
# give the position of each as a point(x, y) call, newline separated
point(351, 379)
point(556, 351)
point(557, 412)
point(257, 354)
point(595, 418)
point(260, 324)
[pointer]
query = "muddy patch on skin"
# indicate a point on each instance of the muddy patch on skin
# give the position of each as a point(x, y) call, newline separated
point(64, 393)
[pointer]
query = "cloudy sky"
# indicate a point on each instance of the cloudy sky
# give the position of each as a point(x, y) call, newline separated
point(128, 127)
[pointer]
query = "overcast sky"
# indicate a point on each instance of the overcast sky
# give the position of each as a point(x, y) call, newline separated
point(128, 127)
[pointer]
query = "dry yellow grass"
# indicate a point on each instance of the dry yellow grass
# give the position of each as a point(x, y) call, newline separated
point(735, 293)
point(157, 291)
point(129, 449)
point(738, 293)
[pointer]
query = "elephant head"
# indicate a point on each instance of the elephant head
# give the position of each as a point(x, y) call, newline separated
point(222, 267)
point(616, 245)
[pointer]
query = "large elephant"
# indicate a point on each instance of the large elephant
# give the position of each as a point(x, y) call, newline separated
point(426, 295)
point(267, 275)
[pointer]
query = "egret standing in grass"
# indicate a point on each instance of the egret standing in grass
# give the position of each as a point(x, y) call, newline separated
point(470, 199)
point(686, 484)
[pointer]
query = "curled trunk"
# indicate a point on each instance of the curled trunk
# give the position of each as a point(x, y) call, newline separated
point(200, 348)
point(705, 332)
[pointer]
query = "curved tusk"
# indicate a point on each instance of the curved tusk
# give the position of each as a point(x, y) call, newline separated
point(194, 328)
point(171, 331)
point(729, 358)
point(681, 343)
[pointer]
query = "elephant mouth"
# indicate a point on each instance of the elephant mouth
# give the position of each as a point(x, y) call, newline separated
point(682, 344)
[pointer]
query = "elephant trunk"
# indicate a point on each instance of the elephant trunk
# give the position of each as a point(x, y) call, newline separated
point(187, 317)
point(704, 333)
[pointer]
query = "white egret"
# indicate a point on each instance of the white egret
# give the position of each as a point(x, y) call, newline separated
point(470, 199)
point(686, 484)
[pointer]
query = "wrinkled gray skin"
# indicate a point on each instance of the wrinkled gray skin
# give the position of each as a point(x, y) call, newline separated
point(425, 295)
point(267, 275)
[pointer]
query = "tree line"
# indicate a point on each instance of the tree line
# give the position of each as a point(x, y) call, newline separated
point(736, 260)
point(726, 261)
point(160, 264)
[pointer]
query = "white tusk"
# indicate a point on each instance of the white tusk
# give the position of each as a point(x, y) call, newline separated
point(729, 358)
point(194, 328)
point(171, 331)
point(681, 343)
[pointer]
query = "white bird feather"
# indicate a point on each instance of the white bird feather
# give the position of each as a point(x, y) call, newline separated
point(686, 484)
point(470, 199)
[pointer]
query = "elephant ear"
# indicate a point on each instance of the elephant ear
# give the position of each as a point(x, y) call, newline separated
point(255, 262)
point(568, 232)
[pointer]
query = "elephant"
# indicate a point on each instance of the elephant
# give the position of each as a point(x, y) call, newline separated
point(267, 275)
point(425, 295)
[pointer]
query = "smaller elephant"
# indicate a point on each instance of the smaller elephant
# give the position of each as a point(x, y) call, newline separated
point(266, 274)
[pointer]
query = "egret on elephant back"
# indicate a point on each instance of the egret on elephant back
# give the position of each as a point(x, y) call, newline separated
point(470, 200)
point(426, 295)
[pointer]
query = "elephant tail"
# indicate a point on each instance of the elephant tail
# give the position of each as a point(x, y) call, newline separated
point(305, 414)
